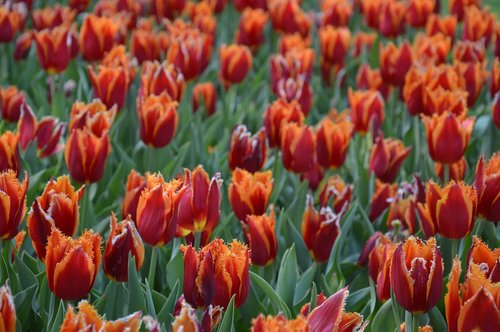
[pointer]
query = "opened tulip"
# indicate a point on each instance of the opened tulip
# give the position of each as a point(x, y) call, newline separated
point(478, 25)
point(386, 158)
point(235, 64)
point(9, 152)
point(367, 109)
point(133, 190)
point(11, 100)
point(215, 273)
point(94, 116)
point(380, 199)
point(158, 119)
point(206, 95)
point(296, 89)
point(13, 203)
point(56, 207)
point(123, 241)
point(97, 36)
point(11, 21)
point(54, 49)
point(166, 9)
point(336, 193)
point(320, 229)
point(48, 134)
point(246, 151)
point(110, 85)
point(391, 18)
point(446, 25)
point(395, 61)
point(159, 77)
point(288, 17)
point(155, 210)
point(418, 12)
point(417, 274)
point(298, 147)
point(469, 51)
point(295, 63)
point(439, 101)
point(7, 309)
point(432, 50)
point(277, 115)
point(456, 170)
point(486, 184)
point(260, 233)
point(458, 7)
point(251, 28)
point(336, 12)
point(249, 193)
point(72, 264)
point(278, 323)
point(474, 77)
point(489, 260)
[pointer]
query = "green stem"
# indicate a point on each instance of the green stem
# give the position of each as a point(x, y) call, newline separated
point(149, 158)
point(152, 266)
point(446, 177)
point(395, 312)
point(197, 240)
point(410, 322)
point(454, 249)
point(416, 131)
point(480, 227)
point(84, 208)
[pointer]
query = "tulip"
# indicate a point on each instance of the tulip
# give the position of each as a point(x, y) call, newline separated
point(133, 190)
point(446, 25)
point(475, 308)
point(296, 89)
point(496, 48)
point(293, 41)
point(26, 126)
point(110, 85)
point(206, 95)
point(167, 8)
point(320, 230)
point(48, 133)
point(249, 193)
point(495, 78)
point(23, 45)
point(7, 309)
point(93, 116)
point(333, 142)
point(449, 211)
point(79, 5)
point(185, 317)
point(456, 170)
point(97, 36)
point(337, 193)
point(474, 76)
point(51, 17)
point(469, 51)
point(298, 147)
point(417, 274)
point(334, 43)
point(489, 260)
point(144, 45)
point(395, 61)
point(261, 237)
point(157, 78)
point(372, 242)
point(13, 203)
point(56, 207)
point(158, 119)
point(432, 49)
point(386, 158)
point(245, 151)
point(295, 63)
point(447, 136)
point(118, 57)
point(11, 100)
point(381, 198)
point(478, 25)
point(379, 265)
point(278, 323)
point(371, 12)
point(198, 204)
point(367, 108)
point(458, 7)
point(288, 17)
point(215, 273)
point(123, 240)
point(235, 61)
point(11, 21)
point(336, 12)
point(251, 28)
point(277, 115)
point(486, 184)
point(363, 42)
point(240, 5)
point(186, 320)
point(439, 101)
point(404, 211)
point(203, 19)
point(66, 258)
point(495, 110)
point(418, 12)
point(155, 210)
point(391, 18)
point(371, 79)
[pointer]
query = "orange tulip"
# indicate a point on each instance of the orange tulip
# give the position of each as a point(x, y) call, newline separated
point(295, 63)
point(439, 101)
point(144, 46)
point(371, 79)
point(215, 273)
point(206, 95)
point(418, 12)
point(363, 42)
point(251, 28)
point(236, 62)
point(486, 183)
point(133, 190)
point(489, 260)
point(296, 89)
point(379, 200)
point(449, 211)
point(11, 21)
point(118, 57)
point(447, 136)
point(371, 12)
point(155, 210)
point(495, 78)
point(333, 142)
point(336, 12)
point(13, 203)
point(379, 265)
point(432, 49)
point(67, 258)
point(417, 274)
point(51, 17)
point(158, 119)
point(277, 115)
point(11, 100)
point(298, 147)
point(288, 17)
point(395, 61)
point(123, 240)
point(186, 319)
point(167, 8)
point(94, 116)
point(278, 323)
point(334, 44)
point(56, 207)
point(157, 78)
point(54, 49)
point(469, 51)
point(458, 7)
point(367, 109)
point(97, 36)
point(337, 193)
point(23, 45)
point(456, 170)
point(474, 77)
point(110, 85)
point(260, 233)
point(249, 193)
point(392, 18)
point(446, 25)
point(478, 25)
point(246, 151)
point(293, 41)
point(7, 309)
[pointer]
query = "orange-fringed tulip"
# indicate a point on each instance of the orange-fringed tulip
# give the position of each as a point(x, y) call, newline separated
point(7, 310)
point(371, 79)
point(298, 147)
point(278, 323)
point(72, 264)
point(367, 109)
point(439, 100)
point(418, 12)
point(295, 63)
point(395, 61)
point(448, 136)
point(94, 116)
point(336, 12)
point(277, 115)
point(133, 189)
point(495, 109)
point(495, 78)
point(12, 203)
point(54, 49)
point(334, 44)
point(379, 266)
point(292, 41)
point(391, 21)
point(478, 25)
point(251, 28)
point(296, 89)
point(336, 193)
point(386, 158)
point(167, 8)
point(159, 77)
point(489, 260)
point(458, 7)
point(11, 21)
point(11, 100)
point(246, 151)
point(487, 183)
point(332, 141)
point(206, 95)
point(474, 76)
point(198, 204)
point(261, 237)
point(288, 17)
point(449, 211)
point(158, 119)
point(446, 25)
point(476, 306)
point(123, 240)
point(110, 85)
point(186, 317)
point(432, 49)
point(235, 63)
point(51, 17)
point(48, 133)
point(145, 45)
point(320, 229)
point(97, 36)
point(215, 273)
point(56, 207)
point(456, 170)
point(249, 193)
point(9, 152)
point(469, 51)
point(380, 199)
point(155, 210)
point(417, 274)
point(363, 42)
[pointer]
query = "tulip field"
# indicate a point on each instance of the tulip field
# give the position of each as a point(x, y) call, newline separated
point(250, 165)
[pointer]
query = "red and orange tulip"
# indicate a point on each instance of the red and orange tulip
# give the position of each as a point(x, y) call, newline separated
point(489, 260)
point(336, 12)
point(251, 28)
point(159, 77)
point(371, 79)
point(13, 203)
point(439, 101)
point(186, 319)
point(395, 61)
point(206, 95)
point(432, 49)
point(474, 76)
point(363, 42)
point(54, 49)
point(332, 141)
point(456, 170)
point(418, 12)
point(145, 45)
point(295, 63)
point(296, 89)
point(123, 240)
point(293, 41)
point(23, 45)
point(417, 274)
point(7, 309)
point(478, 25)
point(94, 116)
point(391, 21)
point(51, 17)
point(246, 151)
point(26, 126)
point(288, 17)
point(298, 147)
point(379, 266)
point(486, 184)
point(166, 9)
point(446, 25)
point(261, 237)
point(235, 63)
point(386, 158)
point(215, 273)
point(56, 207)
point(110, 85)
point(458, 7)
point(48, 133)
point(379, 200)
point(337, 193)
point(334, 44)
point(249, 193)
point(367, 109)
point(11, 101)
point(67, 258)
point(278, 323)
point(133, 190)
point(97, 36)
point(11, 21)
point(279, 113)
point(403, 209)
point(469, 51)
point(158, 119)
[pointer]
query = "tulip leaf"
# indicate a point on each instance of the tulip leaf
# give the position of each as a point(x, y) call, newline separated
point(227, 323)
point(287, 276)
point(136, 294)
point(278, 303)
point(26, 277)
point(164, 315)
point(303, 257)
point(175, 270)
point(313, 299)
point(56, 322)
point(23, 301)
point(149, 301)
point(437, 320)
point(304, 284)
point(178, 161)
point(384, 319)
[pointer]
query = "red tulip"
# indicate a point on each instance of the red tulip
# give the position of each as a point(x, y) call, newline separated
point(133, 190)
point(298, 147)
point(97, 36)
point(367, 109)
point(157, 78)
point(7, 309)
point(395, 61)
point(418, 12)
point(456, 170)
point(206, 95)
point(12, 203)
point(489, 260)
point(386, 158)
point(9, 152)
point(336, 193)
point(23, 45)
point(336, 12)
point(260, 233)
point(158, 119)
point(51, 17)
point(333, 139)
point(288, 17)
point(11, 21)
point(48, 133)
point(251, 28)
point(110, 85)
point(235, 63)
point(391, 18)
point(486, 184)
point(296, 89)
point(381, 198)
point(277, 115)
point(245, 151)
point(11, 101)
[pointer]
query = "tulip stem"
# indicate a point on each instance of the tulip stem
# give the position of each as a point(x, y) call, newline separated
point(84, 207)
point(197, 240)
point(152, 266)
point(454, 249)
point(480, 226)
point(411, 322)
point(446, 175)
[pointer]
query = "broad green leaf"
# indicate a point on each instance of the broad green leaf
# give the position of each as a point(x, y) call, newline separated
point(287, 276)
point(136, 294)
point(227, 323)
point(277, 302)
point(304, 284)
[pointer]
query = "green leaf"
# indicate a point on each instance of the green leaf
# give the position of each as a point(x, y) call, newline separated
point(437, 320)
point(287, 276)
point(175, 270)
point(164, 315)
point(149, 301)
point(384, 319)
point(26, 277)
point(227, 323)
point(58, 318)
point(136, 295)
point(304, 284)
point(276, 300)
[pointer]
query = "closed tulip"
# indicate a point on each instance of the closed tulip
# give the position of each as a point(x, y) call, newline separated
point(97, 36)
point(190, 52)
point(336, 193)
point(332, 138)
point(418, 12)
point(432, 49)
point(11, 21)
point(56, 207)
point(379, 265)
point(478, 25)
point(67, 258)
point(392, 18)
point(206, 95)
point(159, 77)
point(110, 85)
point(7, 309)
point(277, 115)
point(458, 7)
point(367, 109)
point(486, 184)
point(474, 77)
point(298, 147)
point(158, 119)
point(395, 61)
point(123, 241)
point(251, 28)
point(215, 273)
point(26, 126)
point(288, 17)
point(145, 45)
point(235, 63)
point(9, 152)
point(386, 158)
point(446, 25)
point(246, 151)
point(336, 12)
point(371, 79)
point(334, 44)
point(260, 233)
point(133, 190)
point(417, 274)
point(13, 203)
point(11, 100)
point(379, 201)
point(48, 134)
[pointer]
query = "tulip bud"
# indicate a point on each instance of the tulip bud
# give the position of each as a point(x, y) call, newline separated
point(67, 258)
point(7, 309)
point(334, 43)
point(133, 189)
point(158, 119)
point(371, 79)
point(13, 203)
point(261, 237)
point(9, 152)
point(391, 18)
point(97, 36)
point(379, 266)
point(145, 46)
point(277, 115)
point(417, 274)
point(367, 108)
point(11, 101)
point(336, 12)
point(206, 95)
point(295, 63)
point(245, 151)
point(298, 147)
point(215, 273)
point(446, 25)
point(249, 193)
point(386, 158)
point(288, 17)
point(53, 49)
point(251, 28)
point(110, 85)
point(123, 240)
point(56, 207)
point(235, 63)
point(474, 76)
point(486, 184)
point(381, 198)
point(157, 78)
point(23, 45)
point(456, 170)
point(418, 12)
point(333, 142)
point(395, 62)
